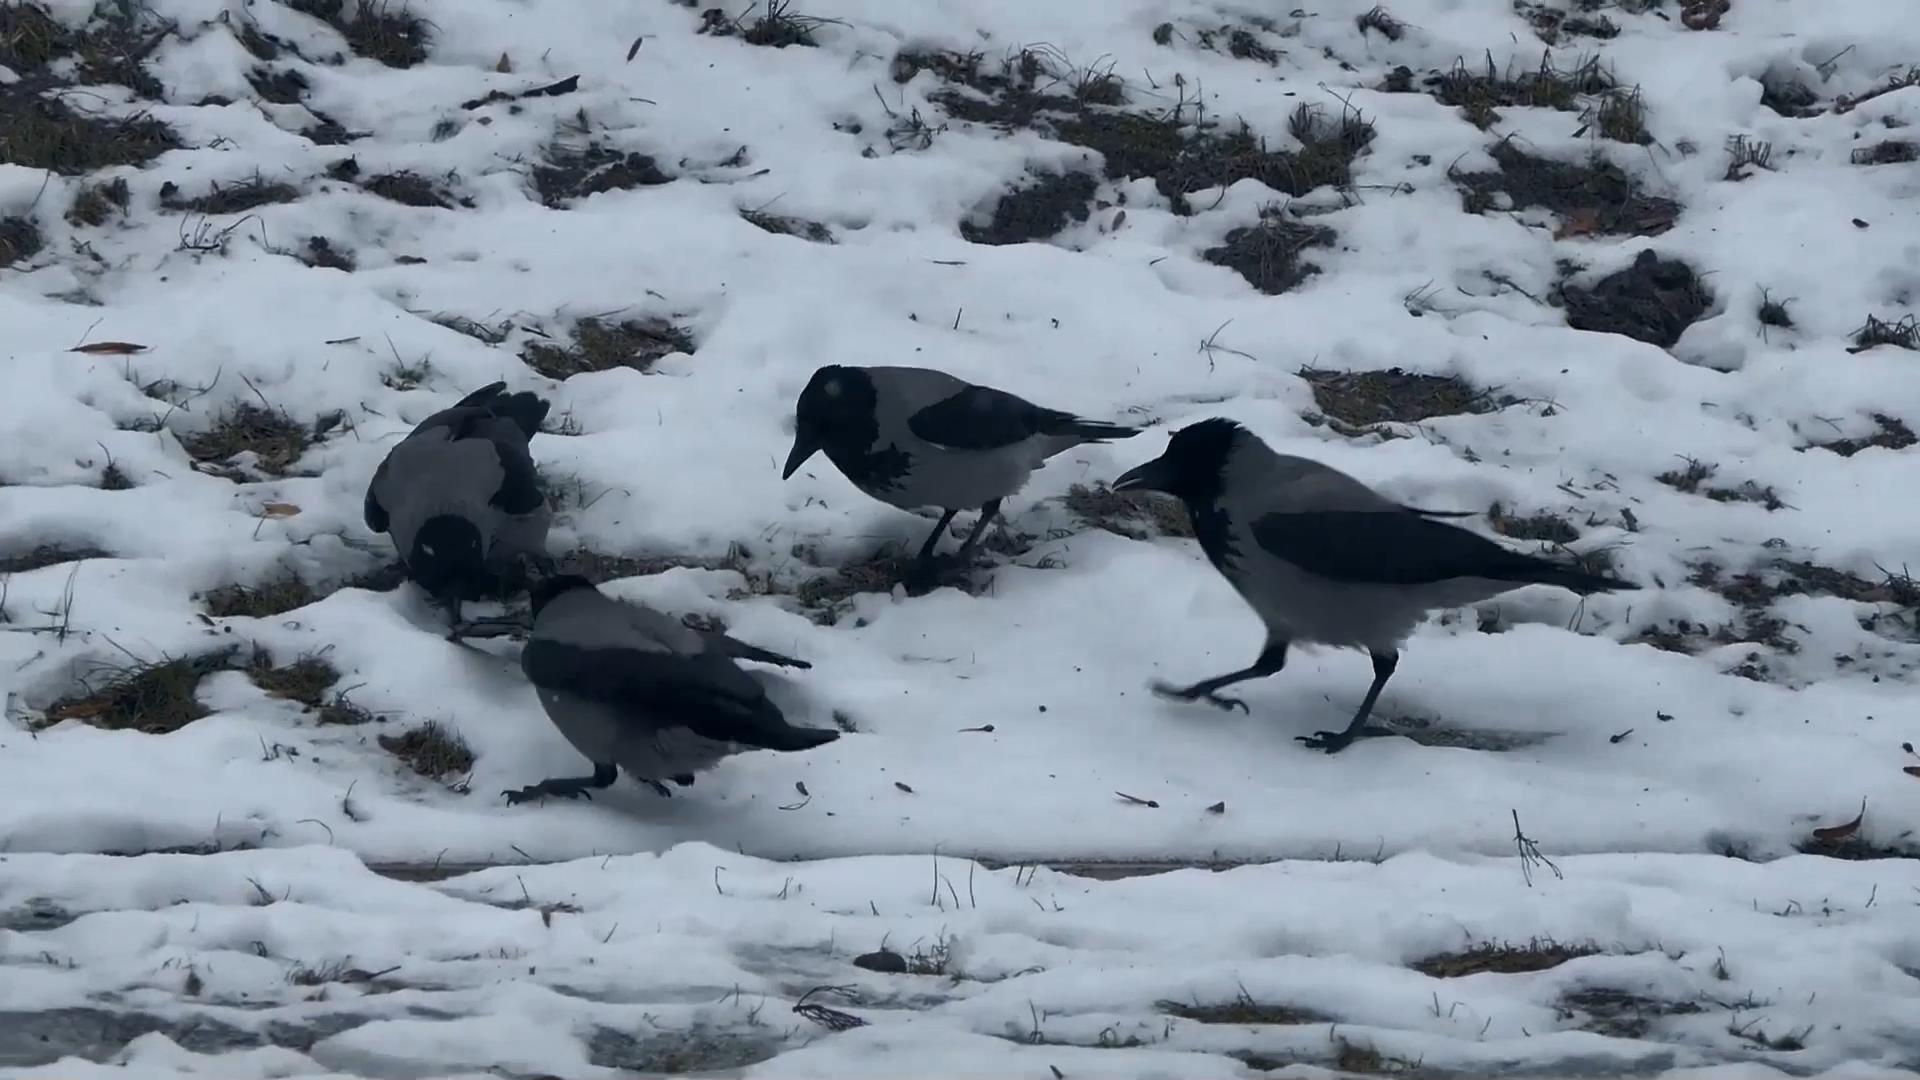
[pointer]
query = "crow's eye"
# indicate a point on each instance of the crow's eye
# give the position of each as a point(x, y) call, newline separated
point(426, 549)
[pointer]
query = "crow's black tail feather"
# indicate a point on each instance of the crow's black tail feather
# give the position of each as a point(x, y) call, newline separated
point(1542, 572)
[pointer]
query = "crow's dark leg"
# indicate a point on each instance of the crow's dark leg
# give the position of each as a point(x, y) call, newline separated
point(1271, 659)
point(1335, 741)
point(920, 576)
point(567, 787)
point(987, 513)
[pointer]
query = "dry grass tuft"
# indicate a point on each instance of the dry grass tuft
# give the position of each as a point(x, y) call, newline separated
point(603, 346)
point(1890, 152)
point(1597, 198)
point(1268, 254)
point(1480, 93)
point(275, 439)
point(96, 204)
point(248, 194)
point(571, 173)
point(1135, 515)
point(1362, 398)
point(284, 593)
point(19, 240)
point(1243, 1010)
point(306, 680)
point(1890, 432)
point(779, 225)
point(1901, 333)
point(151, 698)
point(1618, 1013)
point(1536, 955)
point(431, 750)
point(375, 29)
point(412, 189)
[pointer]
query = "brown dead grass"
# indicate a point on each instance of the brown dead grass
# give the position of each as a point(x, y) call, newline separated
point(47, 133)
point(235, 198)
point(1890, 432)
point(431, 750)
point(1243, 1010)
point(19, 240)
point(597, 345)
point(571, 173)
point(1653, 300)
point(1594, 198)
point(1536, 955)
point(96, 204)
point(41, 556)
point(1135, 515)
point(306, 680)
point(151, 698)
point(275, 439)
point(284, 593)
point(1269, 253)
point(1361, 398)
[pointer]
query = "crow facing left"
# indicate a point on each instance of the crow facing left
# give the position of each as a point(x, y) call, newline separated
point(461, 498)
point(1324, 559)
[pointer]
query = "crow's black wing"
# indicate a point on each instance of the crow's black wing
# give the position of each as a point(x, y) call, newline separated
point(981, 418)
point(1368, 547)
point(705, 694)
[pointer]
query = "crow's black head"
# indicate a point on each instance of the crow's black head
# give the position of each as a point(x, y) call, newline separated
point(447, 559)
point(546, 589)
point(835, 410)
point(1191, 465)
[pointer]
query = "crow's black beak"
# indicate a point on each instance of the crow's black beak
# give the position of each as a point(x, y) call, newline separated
point(804, 447)
point(1149, 477)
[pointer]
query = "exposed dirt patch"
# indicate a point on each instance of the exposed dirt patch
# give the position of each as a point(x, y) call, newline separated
point(1243, 1010)
point(1595, 198)
point(1654, 300)
point(1544, 525)
point(1855, 849)
point(112, 48)
point(432, 750)
point(19, 240)
point(284, 593)
point(1891, 433)
point(321, 253)
point(1040, 90)
point(1268, 254)
point(278, 86)
point(41, 556)
point(1536, 955)
point(1551, 25)
point(575, 173)
point(412, 189)
point(693, 1051)
point(376, 29)
point(1903, 333)
point(152, 698)
point(306, 680)
point(788, 226)
point(1788, 96)
point(1036, 209)
point(1135, 515)
point(46, 133)
point(1480, 92)
point(249, 194)
point(602, 346)
point(274, 439)
point(1618, 1013)
point(1775, 578)
point(1362, 398)
point(1692, 479)
point(96, 204)
point(1890, 152)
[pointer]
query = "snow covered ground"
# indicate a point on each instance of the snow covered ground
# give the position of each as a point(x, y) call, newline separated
point(251, 245)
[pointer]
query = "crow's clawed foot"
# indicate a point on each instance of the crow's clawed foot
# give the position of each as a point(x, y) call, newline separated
point(1194, 693)
point(660, 789)
point(543, 789)
point(1330, 741)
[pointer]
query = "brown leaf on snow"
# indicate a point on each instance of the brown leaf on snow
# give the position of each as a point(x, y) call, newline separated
point(278, 510)
point(1841, 832)
point(1582, 222)
point(109, 348)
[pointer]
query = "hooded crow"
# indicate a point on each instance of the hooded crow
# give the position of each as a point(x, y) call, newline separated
point(913, 437)
point(461, 498)
point(1324, 559)
point(633, 689)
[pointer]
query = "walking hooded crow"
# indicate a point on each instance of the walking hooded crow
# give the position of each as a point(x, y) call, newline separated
point(461, 498)
point(913, 437)
point(633, 689)
point(1325, 560)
